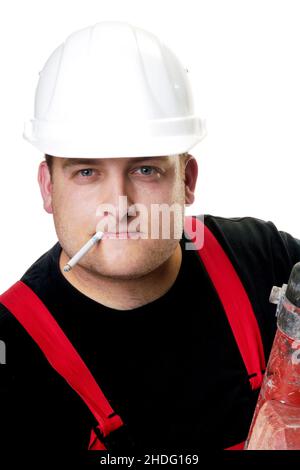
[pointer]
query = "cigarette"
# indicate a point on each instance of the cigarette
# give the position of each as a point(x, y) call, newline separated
point(88, 245)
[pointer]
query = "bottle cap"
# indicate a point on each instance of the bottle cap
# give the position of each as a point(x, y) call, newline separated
point(293, 288)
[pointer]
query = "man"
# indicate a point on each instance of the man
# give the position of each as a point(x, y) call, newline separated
point(114, 118)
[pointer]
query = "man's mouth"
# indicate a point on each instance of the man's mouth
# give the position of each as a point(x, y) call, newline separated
point(121, 235)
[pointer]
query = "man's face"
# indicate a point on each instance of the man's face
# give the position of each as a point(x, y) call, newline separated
point(84, 198)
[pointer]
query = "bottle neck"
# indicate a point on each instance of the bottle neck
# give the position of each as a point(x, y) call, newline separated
point(288, 319)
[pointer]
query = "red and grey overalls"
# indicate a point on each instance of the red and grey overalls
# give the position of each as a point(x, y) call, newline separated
point(31, 312)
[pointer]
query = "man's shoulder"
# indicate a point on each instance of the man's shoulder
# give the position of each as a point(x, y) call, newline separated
point(248, 226)
point(243, 237)
point(36, 277)
point(42, 268)
point(256, 234)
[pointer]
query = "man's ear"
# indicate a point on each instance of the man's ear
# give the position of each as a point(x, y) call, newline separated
point(191, 174)
point(44, 179)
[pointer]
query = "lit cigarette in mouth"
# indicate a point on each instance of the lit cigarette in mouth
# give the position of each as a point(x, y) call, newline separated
point(95, 238)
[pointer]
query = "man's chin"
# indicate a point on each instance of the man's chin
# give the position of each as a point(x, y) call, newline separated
point(117, 275)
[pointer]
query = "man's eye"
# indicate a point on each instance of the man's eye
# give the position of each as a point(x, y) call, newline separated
point(86, 172)
point(148, 170)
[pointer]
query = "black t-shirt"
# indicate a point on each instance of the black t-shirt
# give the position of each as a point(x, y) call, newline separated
point(171, 368)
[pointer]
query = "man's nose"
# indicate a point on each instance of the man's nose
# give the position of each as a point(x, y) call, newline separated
point(116, 186)
point(115, 199)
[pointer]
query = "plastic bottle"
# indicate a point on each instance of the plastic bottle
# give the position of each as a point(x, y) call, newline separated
point(276, 420)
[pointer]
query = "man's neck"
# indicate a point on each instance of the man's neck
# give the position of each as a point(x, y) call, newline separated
point(125, 294)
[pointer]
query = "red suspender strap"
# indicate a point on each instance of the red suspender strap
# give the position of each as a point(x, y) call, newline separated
point(31, 312)
point(234, 298)
point(239, 446)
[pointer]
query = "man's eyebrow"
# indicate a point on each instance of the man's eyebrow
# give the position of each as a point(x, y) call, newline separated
point(78, 161)
point(69, 162)
point(149, 159)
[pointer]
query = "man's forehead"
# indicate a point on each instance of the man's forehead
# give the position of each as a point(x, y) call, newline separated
point(67, 162)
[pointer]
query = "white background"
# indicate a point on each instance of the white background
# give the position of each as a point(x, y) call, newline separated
point(243, 57)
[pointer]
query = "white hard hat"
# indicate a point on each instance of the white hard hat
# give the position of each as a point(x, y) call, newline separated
point(113, 90)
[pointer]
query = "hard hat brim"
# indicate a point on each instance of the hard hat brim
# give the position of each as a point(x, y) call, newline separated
point(65, 140)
